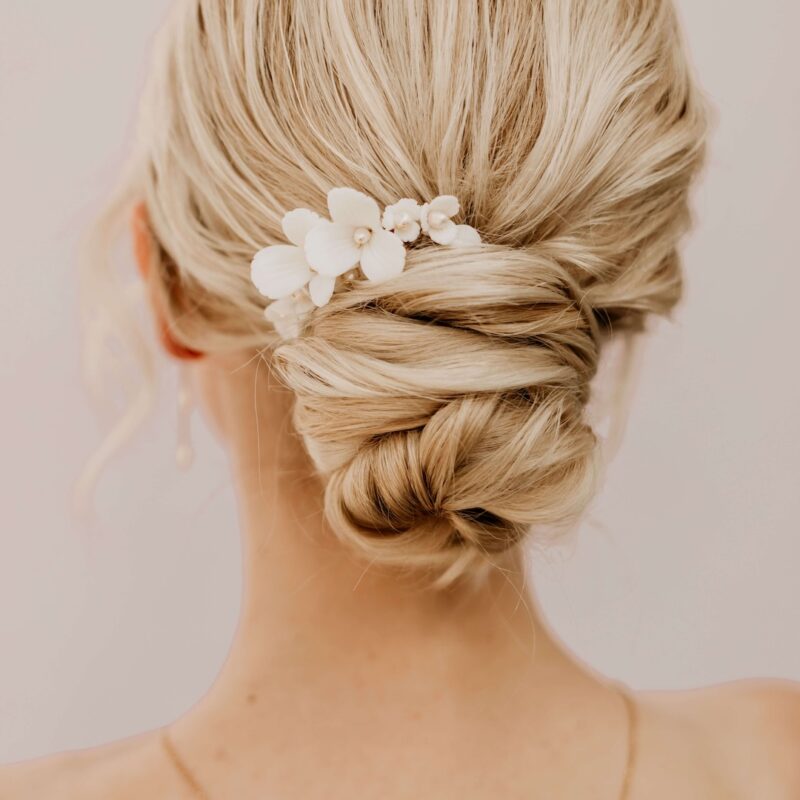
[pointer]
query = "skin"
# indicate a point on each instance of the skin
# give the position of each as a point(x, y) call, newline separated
point(349, 682)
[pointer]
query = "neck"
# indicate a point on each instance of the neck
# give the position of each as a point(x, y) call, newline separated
point(308, 599)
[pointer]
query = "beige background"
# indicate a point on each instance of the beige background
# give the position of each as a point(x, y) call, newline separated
point(687, 571)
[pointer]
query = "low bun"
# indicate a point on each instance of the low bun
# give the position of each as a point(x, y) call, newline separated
point(445, 408)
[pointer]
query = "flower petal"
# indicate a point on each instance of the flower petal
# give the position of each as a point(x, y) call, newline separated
point(280, 310)
point(388, 219)
point(402, 218)
point(408, 232)
point(289, 328)
point(289, 314)
point(321, 288)
point(405, 206)
point(353, 208)
point(303, 304)
point(383, 256)
point(445, 203)
point(330, 248)
point(296, 224)
point(279, 270)
point(445, 234)
point(466, 236)
point(423, 216)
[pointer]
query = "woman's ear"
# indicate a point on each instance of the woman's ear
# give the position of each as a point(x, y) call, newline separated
point(140, 233)
point(143, 252)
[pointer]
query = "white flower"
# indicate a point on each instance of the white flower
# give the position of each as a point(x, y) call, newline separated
point(280, 269)
point(354, 237)
point(436, 221)
point(403, 218)
point(289, 313)
point(466, 236)
point(303, 274)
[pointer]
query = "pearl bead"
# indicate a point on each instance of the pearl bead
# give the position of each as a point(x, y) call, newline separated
point(437, 219)
point(362, 236)
point(184, 456)
point(184, 400)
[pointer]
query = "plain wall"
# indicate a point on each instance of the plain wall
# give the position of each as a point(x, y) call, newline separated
point(685, 573)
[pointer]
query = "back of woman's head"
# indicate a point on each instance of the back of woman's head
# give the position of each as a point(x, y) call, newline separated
point(445, 407)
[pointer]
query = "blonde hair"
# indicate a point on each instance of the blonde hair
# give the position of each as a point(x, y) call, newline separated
point(445, 408)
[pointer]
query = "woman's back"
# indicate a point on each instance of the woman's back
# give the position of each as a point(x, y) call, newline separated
point(724, 743)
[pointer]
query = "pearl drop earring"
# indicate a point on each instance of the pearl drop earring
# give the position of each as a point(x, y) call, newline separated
point(184, 452)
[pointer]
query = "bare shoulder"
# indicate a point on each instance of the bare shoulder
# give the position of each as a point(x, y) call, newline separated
point(740, 739)
point(128, 769)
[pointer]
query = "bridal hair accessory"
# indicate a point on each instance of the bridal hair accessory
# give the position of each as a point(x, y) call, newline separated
point(303, 275)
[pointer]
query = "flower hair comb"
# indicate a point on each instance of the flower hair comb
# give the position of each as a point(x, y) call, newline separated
point(302, 276)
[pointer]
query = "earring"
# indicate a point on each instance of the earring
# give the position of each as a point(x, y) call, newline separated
point(184, 452)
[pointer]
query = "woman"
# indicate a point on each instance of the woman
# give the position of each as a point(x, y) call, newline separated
point(388, 242)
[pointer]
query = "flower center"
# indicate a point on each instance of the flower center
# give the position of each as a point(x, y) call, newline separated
point(436, 219)
point(361, 236)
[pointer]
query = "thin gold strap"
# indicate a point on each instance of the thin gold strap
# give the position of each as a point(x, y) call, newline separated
point(630, 762)
point(180, 765)
point(633, 734)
